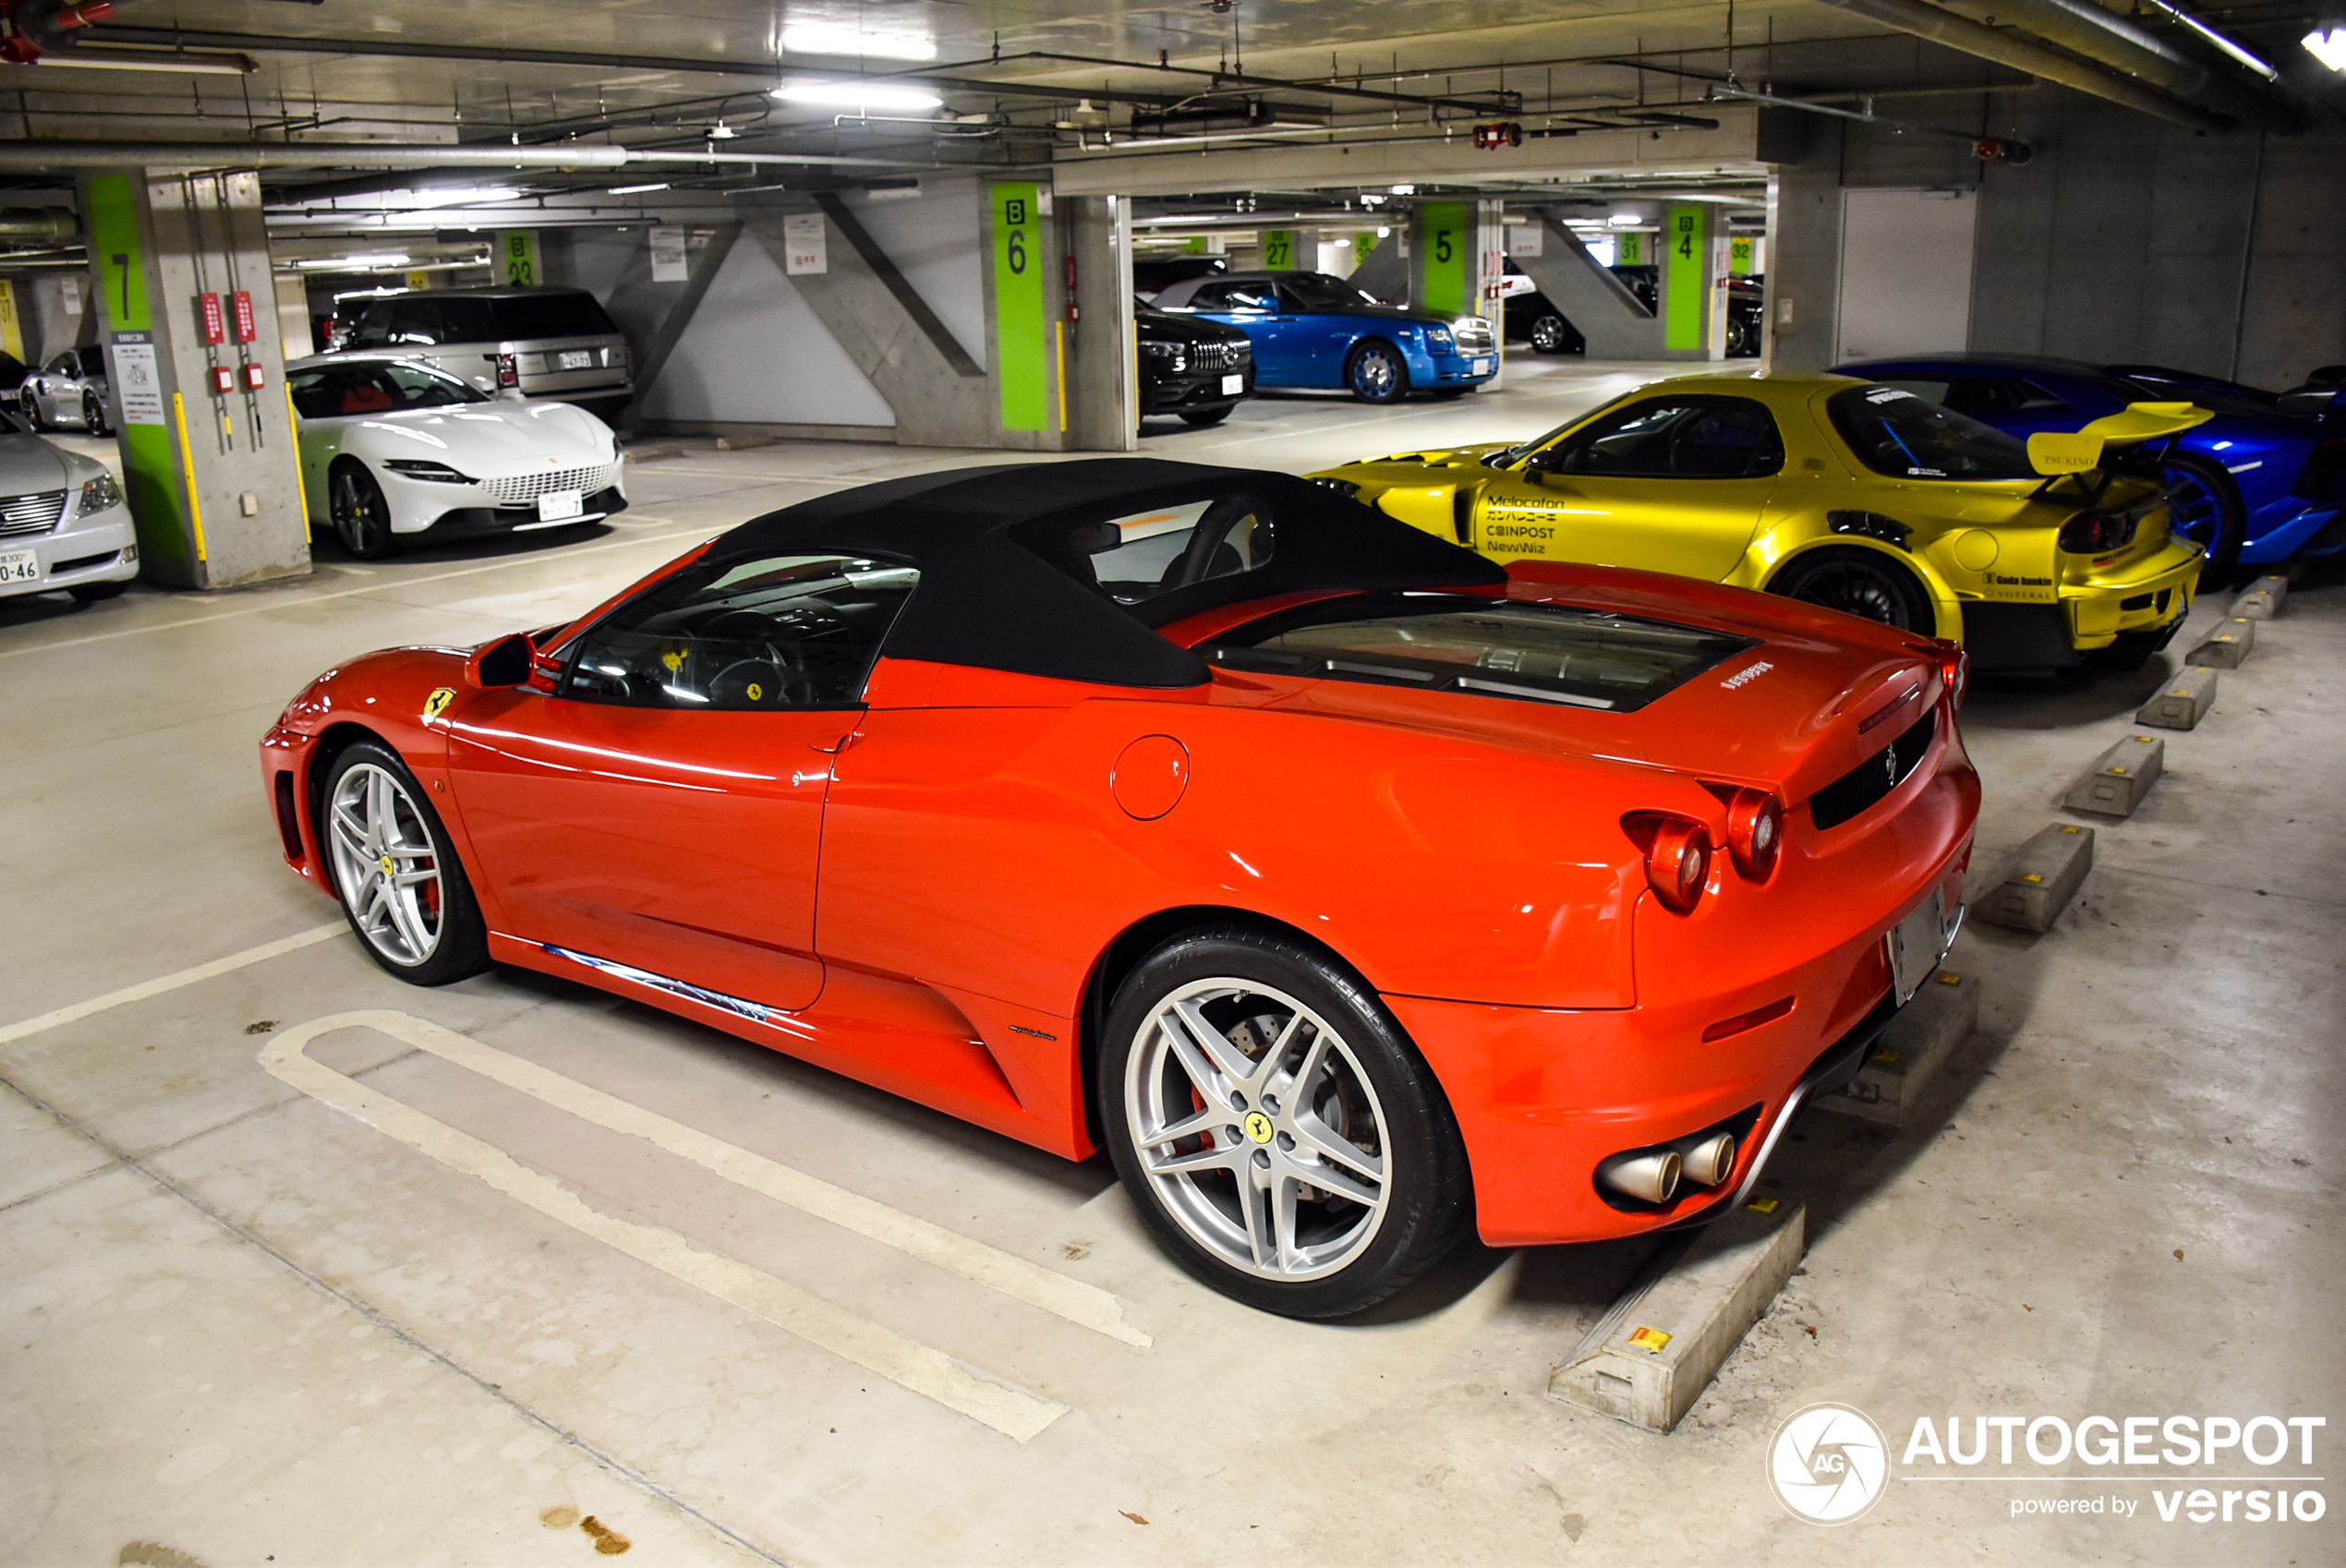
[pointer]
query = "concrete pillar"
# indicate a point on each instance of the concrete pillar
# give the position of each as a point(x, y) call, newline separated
point(180, 265)
point(1103, 373)
point(1804, 256)
point(1692, 302)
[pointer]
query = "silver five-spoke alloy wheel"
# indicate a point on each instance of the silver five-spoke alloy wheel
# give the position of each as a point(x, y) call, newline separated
point(1258, 1129)
point(385, 865)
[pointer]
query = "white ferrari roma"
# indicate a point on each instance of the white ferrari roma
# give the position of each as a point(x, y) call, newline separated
point(391, 447)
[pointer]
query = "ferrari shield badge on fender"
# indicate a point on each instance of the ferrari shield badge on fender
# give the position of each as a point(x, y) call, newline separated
point(437, 703)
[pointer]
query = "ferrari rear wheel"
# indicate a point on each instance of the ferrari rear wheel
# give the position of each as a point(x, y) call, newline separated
point(362, 518)
point(1859, 583)
point(1376, 374)
point(395, 872)
point(1278, 1133)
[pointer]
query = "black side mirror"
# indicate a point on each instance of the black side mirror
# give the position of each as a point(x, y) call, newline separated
point(505, 662)
point(2315, 400)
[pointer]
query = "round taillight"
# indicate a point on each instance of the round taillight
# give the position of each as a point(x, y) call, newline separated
point(1755, 833)
point(1679, 862)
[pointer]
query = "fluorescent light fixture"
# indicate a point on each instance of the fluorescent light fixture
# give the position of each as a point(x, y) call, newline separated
point(358, 263)
point(2329, 47)
point(1625, 219)
point(832, 38)
point(859, 95)
point(1405, 191)
point(168, 60)
point(637, 189)
point(2215, 38)
point(433, 197)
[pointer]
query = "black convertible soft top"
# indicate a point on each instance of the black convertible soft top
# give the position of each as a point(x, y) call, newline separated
point(1006, 585)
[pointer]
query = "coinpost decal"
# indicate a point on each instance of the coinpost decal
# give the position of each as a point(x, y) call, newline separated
point(1830, 1465)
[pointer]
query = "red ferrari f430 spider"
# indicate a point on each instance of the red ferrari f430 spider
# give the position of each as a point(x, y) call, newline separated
point(1348, 888)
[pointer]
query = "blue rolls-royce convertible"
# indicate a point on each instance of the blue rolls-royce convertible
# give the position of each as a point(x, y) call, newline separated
point(1313, 330)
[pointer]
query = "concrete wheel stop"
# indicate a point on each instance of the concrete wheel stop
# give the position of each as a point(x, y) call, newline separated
point(2041, 878)
point(2226, 646)
point(2121, 776)
point(1904, 1062)
point(1653, 1353)
point(2182, 703)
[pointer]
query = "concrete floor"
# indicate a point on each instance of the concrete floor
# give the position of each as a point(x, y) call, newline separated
point(244, 1326)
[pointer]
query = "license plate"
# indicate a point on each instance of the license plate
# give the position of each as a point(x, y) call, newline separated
point(1917, 944)
point(557, 504)
point(1484, 367)
point(575, 359)
point(19, 566)
point(1233, 385)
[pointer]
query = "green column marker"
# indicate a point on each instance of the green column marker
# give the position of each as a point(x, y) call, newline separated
point(150, 458)
point(517, 262)
point(1278, 250)
point(1686, 304)
point(1445, 245)
point(1018, 306)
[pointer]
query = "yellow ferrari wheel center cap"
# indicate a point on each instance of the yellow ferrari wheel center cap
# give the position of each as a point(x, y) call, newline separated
point(1258, 1126)
point(389, 869)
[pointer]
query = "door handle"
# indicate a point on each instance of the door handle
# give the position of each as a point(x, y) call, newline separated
point(834, 744)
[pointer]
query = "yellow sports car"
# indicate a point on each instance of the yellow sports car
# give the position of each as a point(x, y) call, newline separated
point(1849, 494)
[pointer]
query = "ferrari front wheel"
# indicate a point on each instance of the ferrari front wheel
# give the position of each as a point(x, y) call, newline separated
point(395, 872)
point(1279, 1134)
point(1859, 583)
point(361, 515)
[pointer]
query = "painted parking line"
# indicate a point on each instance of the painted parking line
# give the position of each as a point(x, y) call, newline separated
point(147, 988)
point(923, 1371)
point(1085, 1305)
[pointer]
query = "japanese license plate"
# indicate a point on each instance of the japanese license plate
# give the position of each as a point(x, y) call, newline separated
point(1233, 385)
point(19, 566)
point(575, 359)
point(556, 504)
point(1917, 944)
point(1484, 367)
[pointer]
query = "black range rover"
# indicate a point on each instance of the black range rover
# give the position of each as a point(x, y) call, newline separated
point(1196, 369)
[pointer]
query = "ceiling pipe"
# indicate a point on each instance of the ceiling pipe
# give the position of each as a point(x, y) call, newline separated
point(2005, 48)
point(2085, 29)
point(41, 157)
point(46, 223)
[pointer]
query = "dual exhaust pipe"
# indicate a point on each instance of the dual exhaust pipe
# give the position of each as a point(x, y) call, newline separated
point(1654, 1175)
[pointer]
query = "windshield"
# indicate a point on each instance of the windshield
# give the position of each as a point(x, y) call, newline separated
point(381, 387)
point(1317, 291)
point(1545, 653)
point(1892, 431)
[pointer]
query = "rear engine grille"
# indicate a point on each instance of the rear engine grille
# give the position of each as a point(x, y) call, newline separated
point(1875, 777)
point(521, 489)
point(1474, 334)
point(1220, 356)
point(31, 514)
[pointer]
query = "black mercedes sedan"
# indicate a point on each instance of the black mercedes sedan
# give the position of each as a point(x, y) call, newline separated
point(1195, 369)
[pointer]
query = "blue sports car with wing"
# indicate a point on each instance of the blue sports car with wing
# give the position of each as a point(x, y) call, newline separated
point(2251, 484)
point(1313, 330)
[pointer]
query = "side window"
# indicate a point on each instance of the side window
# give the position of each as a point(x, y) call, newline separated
point(415, 320)
point(373, 328)
point(1711, 438)
point(1139, 557)
point(1931, 389)
point(772, 633)
point(1234, 296)
point(63, 365)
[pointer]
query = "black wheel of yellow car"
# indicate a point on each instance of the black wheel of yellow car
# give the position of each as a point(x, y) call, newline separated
point(1859, 583)
point(397, 875)
point(1280, 1136)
